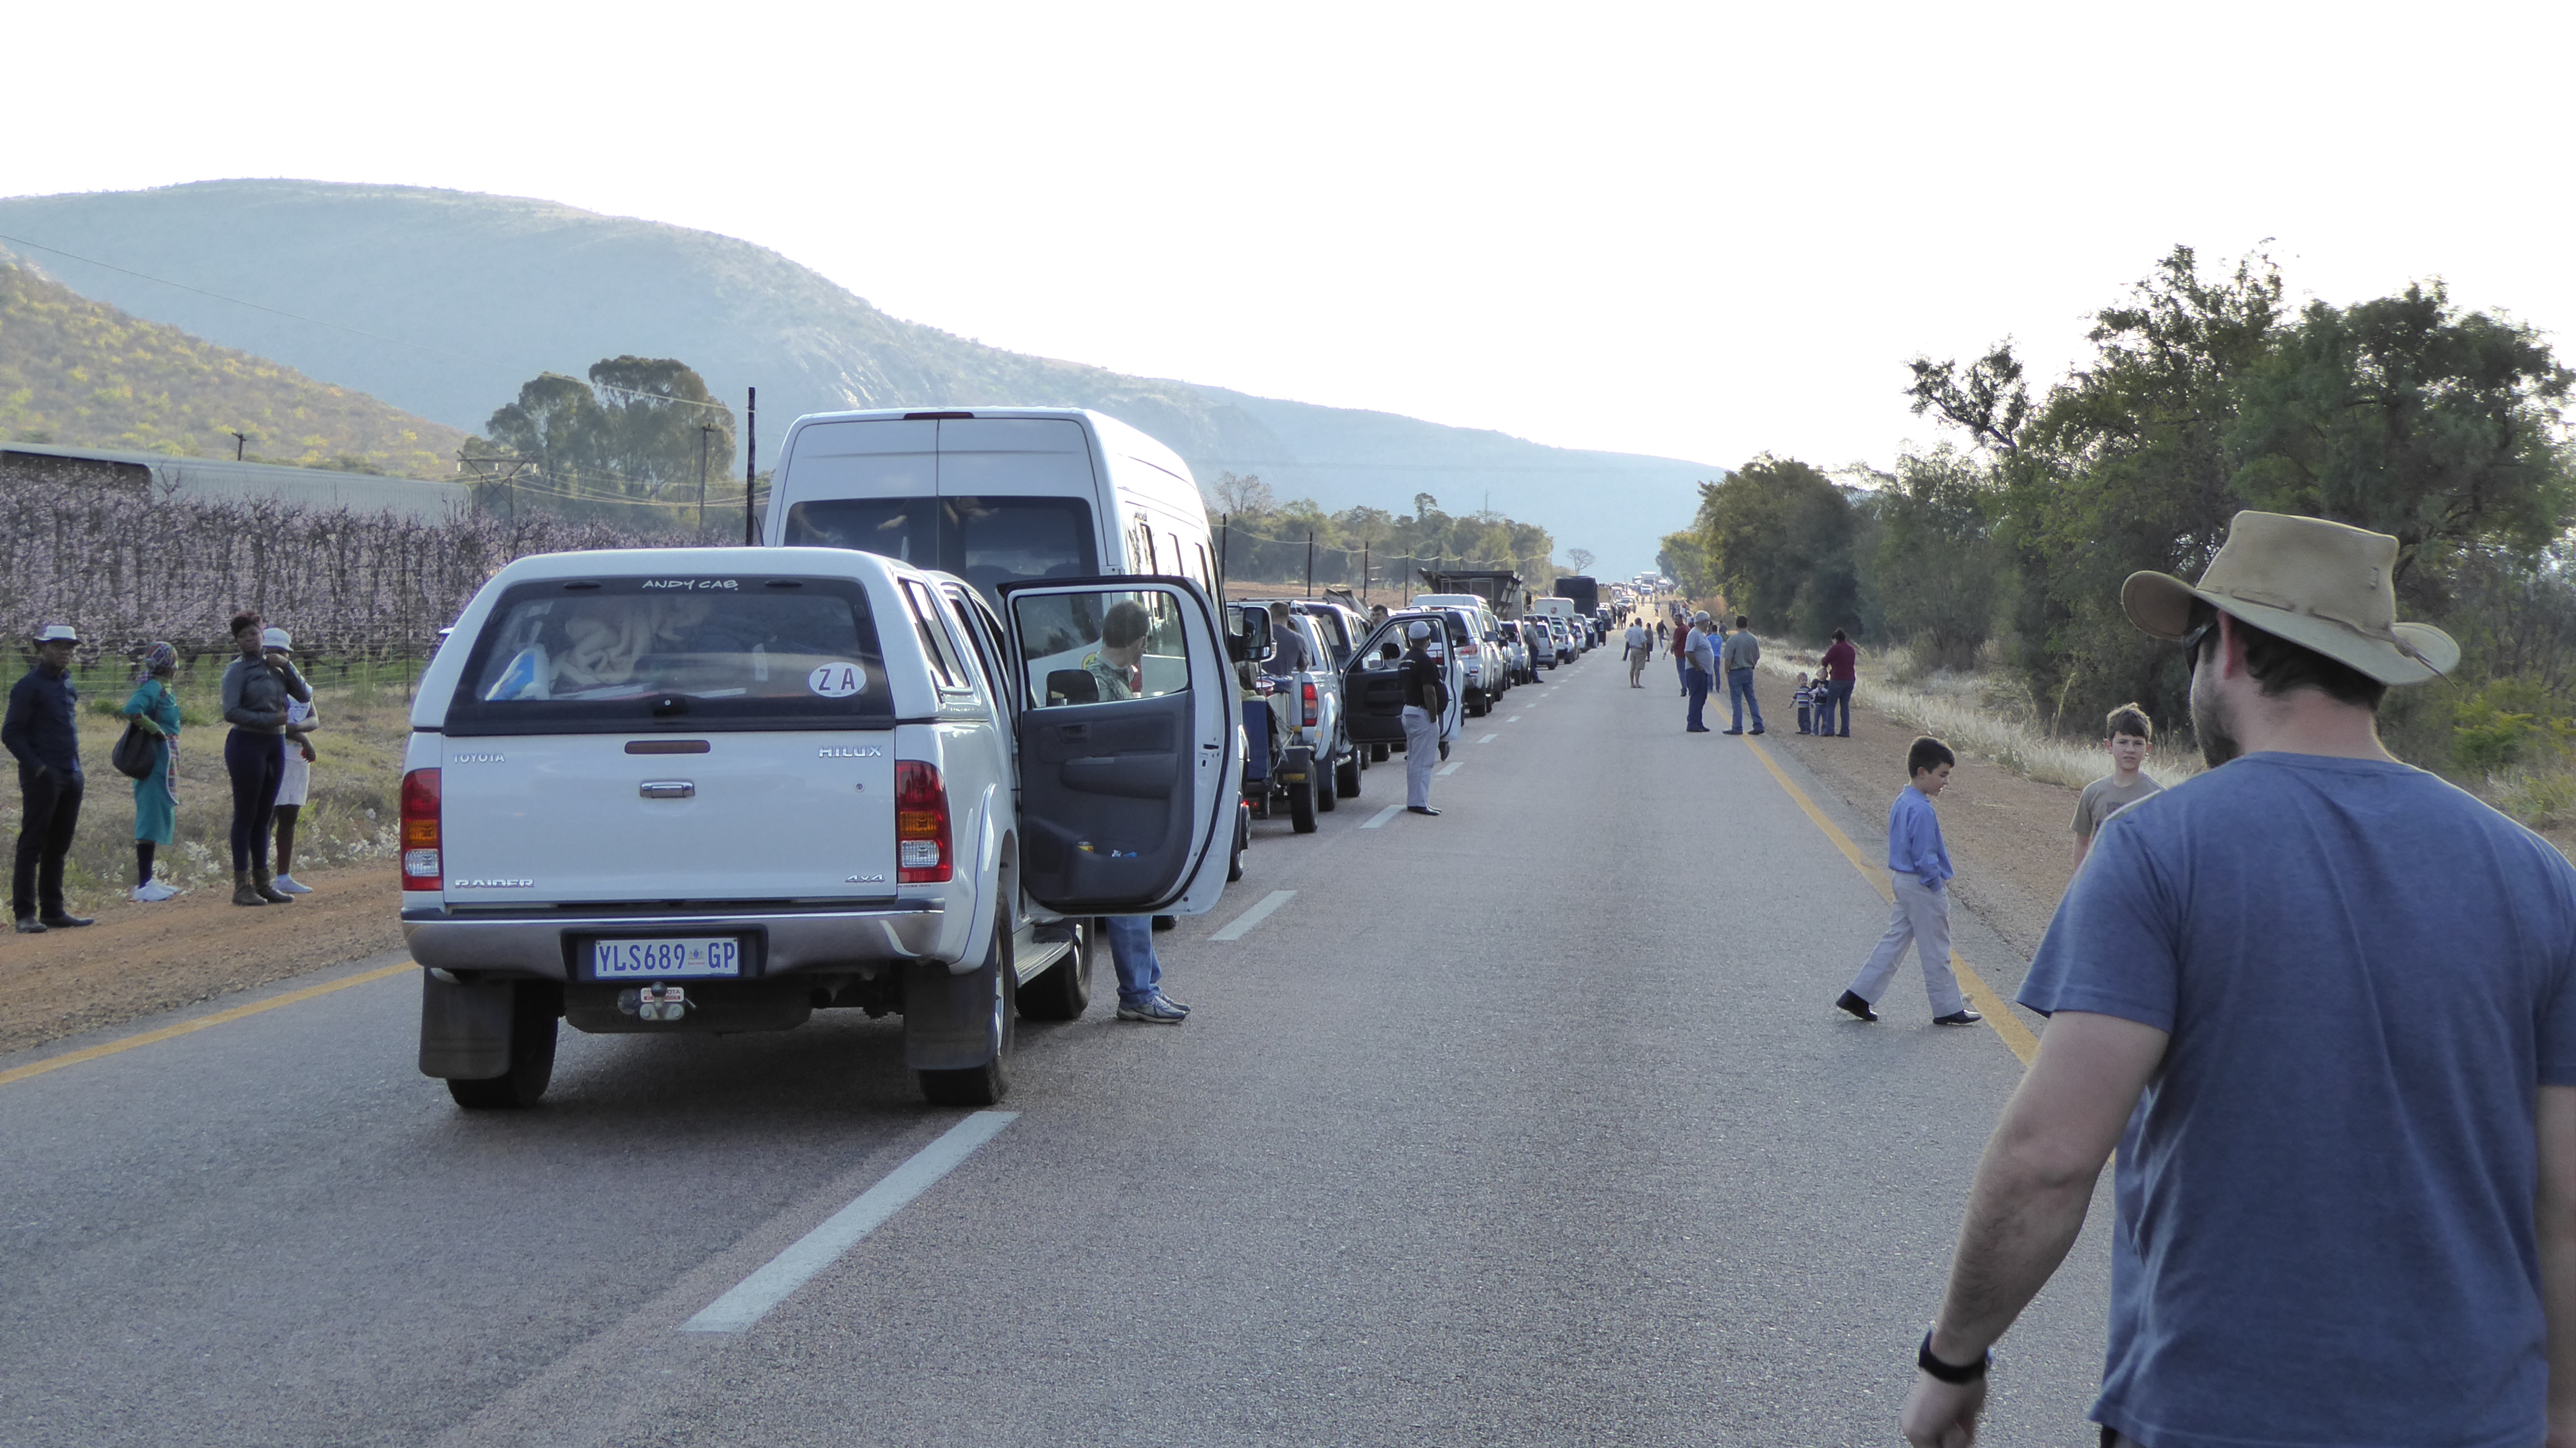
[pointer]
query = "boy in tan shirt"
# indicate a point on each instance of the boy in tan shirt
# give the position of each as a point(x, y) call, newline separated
point(2129, 738)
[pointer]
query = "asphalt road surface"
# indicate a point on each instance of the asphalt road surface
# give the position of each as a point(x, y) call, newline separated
point(1528, 1124)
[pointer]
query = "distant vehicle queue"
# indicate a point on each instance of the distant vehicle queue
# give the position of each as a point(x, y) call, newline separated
point(978, 704)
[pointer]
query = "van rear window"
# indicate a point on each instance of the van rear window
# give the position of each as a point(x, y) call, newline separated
point(631, 655)
point(987, 541)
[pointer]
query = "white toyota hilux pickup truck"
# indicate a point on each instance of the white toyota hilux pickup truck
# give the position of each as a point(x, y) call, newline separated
point(712, 789)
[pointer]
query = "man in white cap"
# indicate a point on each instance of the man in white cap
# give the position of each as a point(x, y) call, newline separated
point(1425, 699)
point(2324, 1006)
point(42, 731)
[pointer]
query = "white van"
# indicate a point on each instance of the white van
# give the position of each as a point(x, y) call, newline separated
point(994, 495)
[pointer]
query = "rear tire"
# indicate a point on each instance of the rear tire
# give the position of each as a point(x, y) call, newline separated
point(1346, 775)
point(533, 1009)
point(1242, 838)
point(1064, 992)
point(1301, 804)
point(1327, 787)
point(987, 1084)
point(1377, 752)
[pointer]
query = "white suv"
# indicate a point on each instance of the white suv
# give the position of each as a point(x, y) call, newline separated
point(716, 789)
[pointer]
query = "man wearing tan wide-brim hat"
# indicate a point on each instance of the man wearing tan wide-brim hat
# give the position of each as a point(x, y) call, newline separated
point(2324, 1005)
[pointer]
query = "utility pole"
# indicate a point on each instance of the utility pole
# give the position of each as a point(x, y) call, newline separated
point(751, 461)
point(1364, 572)
point(1310, 563)
point(1225, 545)
point(240, 441)
point(704, 428)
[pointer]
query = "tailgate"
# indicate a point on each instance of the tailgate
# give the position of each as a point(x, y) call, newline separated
point(582, 818)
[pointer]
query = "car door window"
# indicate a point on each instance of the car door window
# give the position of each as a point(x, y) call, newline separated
point(1101, 648)
point(938, 649)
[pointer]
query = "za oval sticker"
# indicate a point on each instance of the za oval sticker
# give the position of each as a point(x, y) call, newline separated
point(837, 681)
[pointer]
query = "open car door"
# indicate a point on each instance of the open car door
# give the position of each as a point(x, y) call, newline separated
point(1126, 736)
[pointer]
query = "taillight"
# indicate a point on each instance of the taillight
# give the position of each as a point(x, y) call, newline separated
point(1314, 710)
point(920, 824)
point(420, 866)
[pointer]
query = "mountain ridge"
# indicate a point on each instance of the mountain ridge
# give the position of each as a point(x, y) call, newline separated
point(486, 291)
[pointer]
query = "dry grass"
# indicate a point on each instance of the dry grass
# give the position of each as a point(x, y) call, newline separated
point(1977, 713)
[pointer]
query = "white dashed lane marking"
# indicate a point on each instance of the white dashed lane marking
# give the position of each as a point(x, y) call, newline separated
point(1488, 739)
point(1382, 816)
point(1254, 916)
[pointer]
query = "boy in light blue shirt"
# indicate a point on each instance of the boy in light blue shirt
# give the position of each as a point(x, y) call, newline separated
point(1919, 870)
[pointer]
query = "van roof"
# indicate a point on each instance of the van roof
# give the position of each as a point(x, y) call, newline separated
point(1115, 436)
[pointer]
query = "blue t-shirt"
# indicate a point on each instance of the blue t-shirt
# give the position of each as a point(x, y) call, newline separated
point(2325, 1197)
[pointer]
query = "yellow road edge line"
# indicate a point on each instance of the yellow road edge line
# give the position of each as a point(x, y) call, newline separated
point(147, 1038)
point(2014, 1034)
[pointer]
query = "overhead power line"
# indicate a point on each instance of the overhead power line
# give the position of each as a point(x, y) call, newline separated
point(352, 331)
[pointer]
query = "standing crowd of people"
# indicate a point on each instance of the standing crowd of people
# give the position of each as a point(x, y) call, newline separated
point(268, 758)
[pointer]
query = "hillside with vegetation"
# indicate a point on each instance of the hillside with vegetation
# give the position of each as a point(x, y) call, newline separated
point(81, 373)
point(484, 292)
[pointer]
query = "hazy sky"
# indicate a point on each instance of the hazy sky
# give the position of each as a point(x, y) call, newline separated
point(1701, 230)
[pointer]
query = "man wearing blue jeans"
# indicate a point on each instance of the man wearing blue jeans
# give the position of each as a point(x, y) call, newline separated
point(1140, 975)
point(1743, 651)
point(1699, 671)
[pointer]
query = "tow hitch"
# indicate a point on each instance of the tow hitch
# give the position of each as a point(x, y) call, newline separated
point(655, 1002)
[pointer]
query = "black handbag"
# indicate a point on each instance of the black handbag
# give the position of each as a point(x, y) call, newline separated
point(137, 753)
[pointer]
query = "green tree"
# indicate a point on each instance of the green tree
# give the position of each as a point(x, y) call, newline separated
point(1778, 535)
point(556, 424)
point(652, 410)
point(1934, 561)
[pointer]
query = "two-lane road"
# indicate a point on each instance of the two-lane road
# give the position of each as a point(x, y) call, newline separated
point(1531, 1123)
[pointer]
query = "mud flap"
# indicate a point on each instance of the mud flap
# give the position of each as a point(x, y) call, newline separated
point(465, 1028)
point(948, 1020)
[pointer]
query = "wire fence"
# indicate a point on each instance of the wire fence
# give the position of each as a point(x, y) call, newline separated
point(127, 568)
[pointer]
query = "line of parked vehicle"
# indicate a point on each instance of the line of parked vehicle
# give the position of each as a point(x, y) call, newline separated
point(1318, 710)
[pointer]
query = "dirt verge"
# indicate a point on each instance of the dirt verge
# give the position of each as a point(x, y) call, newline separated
point(139, 959)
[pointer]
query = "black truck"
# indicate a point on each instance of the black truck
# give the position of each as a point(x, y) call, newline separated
point(1585, 592)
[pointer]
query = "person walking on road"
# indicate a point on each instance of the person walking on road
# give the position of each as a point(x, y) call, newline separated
point(1425, 700)
point(2324, 1006)
point(1639, 649)
point(1918, 872)
point(1743, 651)
point(42, 732)
point(153, 709)
point(295, 782)
point(1699, 671)
point(1681, 653)
point(257, 688)
point(1841, 673)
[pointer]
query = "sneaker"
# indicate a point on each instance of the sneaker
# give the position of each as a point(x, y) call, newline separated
point(154, 891)
point(1155, 1012)
point(1175, 1005)
point(1958, 1018)
point(288, 884)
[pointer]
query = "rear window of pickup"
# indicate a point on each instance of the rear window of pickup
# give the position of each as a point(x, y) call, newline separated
point(636, 655)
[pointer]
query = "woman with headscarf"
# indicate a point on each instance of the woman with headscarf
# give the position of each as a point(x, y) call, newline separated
point(155, 710)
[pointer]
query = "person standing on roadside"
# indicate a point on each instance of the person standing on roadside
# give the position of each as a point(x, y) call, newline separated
point(1426, 699)
point(1639, 649)
point(1699, 672)
point(1681, 653)
point(153, 709)
point(1743, 652)
point(295, 782)
point(1842, 672)
point(2330, 1001)
point(42, 731)
point(257, 688)
point(2128, 737)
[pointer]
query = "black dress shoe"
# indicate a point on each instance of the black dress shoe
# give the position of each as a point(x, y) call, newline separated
point(1854, 1004)
point(1958, 1018)
point(1730, 731)
point(1757, 731)
point(28, 925)
point(65, 922)
point(1422, 809)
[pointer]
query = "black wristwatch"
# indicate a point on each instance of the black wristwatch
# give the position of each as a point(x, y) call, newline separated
point(1950, 1372)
